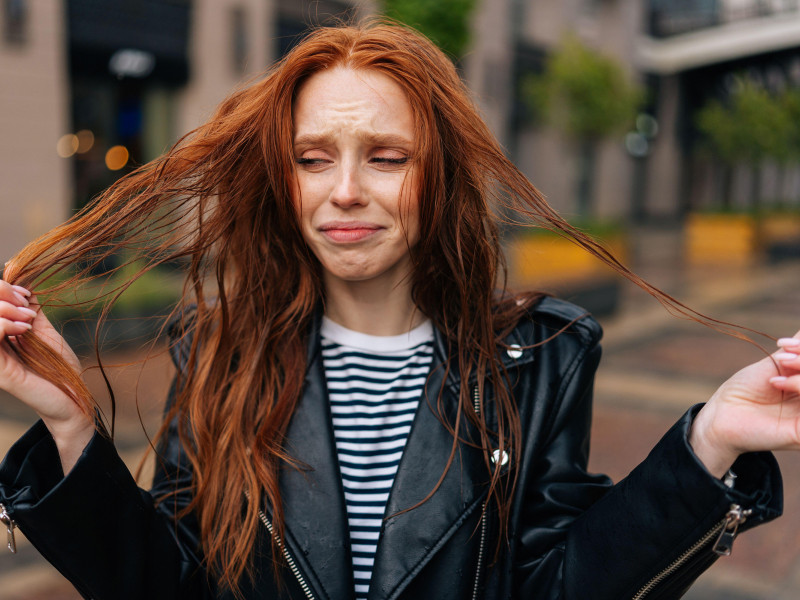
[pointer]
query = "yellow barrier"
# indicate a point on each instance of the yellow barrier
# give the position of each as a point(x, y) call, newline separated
point(721, 239)
point(548, 260)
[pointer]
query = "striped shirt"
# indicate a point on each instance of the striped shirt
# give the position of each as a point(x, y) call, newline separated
point(374, 385)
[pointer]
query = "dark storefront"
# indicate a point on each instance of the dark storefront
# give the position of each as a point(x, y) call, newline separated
point(127, 59)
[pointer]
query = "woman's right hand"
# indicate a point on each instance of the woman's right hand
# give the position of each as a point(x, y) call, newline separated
point(70, 427)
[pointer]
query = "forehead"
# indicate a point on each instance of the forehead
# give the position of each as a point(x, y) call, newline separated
point(345, 101)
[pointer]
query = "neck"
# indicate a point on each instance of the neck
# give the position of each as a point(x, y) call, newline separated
point(372, 307)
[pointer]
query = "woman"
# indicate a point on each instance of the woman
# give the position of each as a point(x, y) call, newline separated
point(339, 209)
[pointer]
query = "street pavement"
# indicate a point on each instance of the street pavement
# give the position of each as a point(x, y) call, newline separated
point(655, 366)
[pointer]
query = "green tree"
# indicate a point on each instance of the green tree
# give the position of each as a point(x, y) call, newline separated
point(446, 22)
point(790, 100)
point(751, 126)
point(587, 96)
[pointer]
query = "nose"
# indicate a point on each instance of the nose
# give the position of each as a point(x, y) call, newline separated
point(347, 188)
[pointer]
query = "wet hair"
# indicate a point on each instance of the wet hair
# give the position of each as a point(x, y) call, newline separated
point(221, 201)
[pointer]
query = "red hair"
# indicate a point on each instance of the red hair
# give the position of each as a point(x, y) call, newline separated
point(221, 201)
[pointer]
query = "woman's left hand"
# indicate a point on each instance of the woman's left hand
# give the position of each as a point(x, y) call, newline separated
point(756, 409)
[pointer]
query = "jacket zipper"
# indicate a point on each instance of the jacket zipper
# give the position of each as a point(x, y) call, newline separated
point(725, 532)
point(289, 560)
point(476, 404)
point(10, 524)
point(6, 519)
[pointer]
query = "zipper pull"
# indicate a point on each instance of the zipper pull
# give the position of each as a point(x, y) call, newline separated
point(10, 525)
point(735, 517)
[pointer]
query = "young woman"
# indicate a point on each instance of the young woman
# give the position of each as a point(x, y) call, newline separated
point(358, 411)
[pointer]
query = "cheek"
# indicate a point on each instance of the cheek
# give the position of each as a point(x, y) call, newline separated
point(308, 194)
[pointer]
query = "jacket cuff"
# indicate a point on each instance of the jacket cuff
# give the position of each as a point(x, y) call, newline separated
point(666, 505)
point(31, 478)
point(758, 485)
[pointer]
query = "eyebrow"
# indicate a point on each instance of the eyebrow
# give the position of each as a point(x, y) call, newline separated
point(376, 139)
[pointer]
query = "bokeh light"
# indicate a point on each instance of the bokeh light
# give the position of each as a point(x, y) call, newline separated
point(67, 145)
point(117, 157)
point(85, 140)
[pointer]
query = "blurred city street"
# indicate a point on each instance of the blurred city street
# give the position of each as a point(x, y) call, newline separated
point(654, 367)
point(668, 131)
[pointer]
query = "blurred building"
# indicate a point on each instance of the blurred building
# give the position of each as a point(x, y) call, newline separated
point(92, 88)
point(34, 114)
point(683, 51)
point(694, 51)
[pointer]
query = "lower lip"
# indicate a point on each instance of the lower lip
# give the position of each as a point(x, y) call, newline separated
point(349, 235)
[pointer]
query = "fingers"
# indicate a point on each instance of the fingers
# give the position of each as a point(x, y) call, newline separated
point(14, 294)
point(788, 360)
point(16, 316)
point(13, 328)
point(786, 383)
point(16, 313)
point(789, 344)
point(788, 357)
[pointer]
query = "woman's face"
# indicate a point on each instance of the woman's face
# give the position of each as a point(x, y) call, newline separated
point(353, 139)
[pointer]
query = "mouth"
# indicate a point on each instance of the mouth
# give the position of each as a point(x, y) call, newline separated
point(349, 231)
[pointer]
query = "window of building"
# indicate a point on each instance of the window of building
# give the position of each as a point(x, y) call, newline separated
point(295, 19)
point(240, 43)
point(15, 21)
point(590, 8)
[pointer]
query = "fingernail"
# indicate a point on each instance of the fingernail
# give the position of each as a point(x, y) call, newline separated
point(785, 356)
point(27, 311)
point(21, 299)
point(789, 342)
point(23, 324)
point(21, 290)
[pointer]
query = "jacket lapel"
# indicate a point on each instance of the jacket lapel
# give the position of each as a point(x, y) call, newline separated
point(315, 516)
point(409, 540)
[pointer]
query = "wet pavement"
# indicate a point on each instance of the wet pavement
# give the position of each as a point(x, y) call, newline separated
point(654, 367)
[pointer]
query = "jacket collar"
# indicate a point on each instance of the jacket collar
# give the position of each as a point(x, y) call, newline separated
point(516, 355)
point(315, 515)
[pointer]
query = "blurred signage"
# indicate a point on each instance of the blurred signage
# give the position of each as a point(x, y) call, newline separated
point(672, 17)
point(675, 17)
point(131, 63)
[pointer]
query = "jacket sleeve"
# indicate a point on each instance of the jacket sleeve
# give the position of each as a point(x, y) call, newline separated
point(651, 535)
point(111, 539)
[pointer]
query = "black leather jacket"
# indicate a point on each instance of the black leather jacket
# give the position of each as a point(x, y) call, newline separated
point(572, 535)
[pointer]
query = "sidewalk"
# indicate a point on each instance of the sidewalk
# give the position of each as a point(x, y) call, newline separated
point(654, 367)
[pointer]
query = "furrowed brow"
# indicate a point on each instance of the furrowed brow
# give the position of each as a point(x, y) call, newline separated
point(385, 139)
point(369, 137)
point(313, 139)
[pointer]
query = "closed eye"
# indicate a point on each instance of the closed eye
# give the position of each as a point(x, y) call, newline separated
point(391, 161)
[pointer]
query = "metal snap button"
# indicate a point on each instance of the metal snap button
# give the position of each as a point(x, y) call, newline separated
point(514, 351)
point(500, 456)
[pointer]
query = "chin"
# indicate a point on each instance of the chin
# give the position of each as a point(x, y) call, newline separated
point(353, 277)
point(344, 273)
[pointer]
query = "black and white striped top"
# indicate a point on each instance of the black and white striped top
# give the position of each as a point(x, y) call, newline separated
point(375, 385)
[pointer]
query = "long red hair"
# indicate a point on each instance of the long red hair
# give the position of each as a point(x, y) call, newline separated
point(221, 201)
